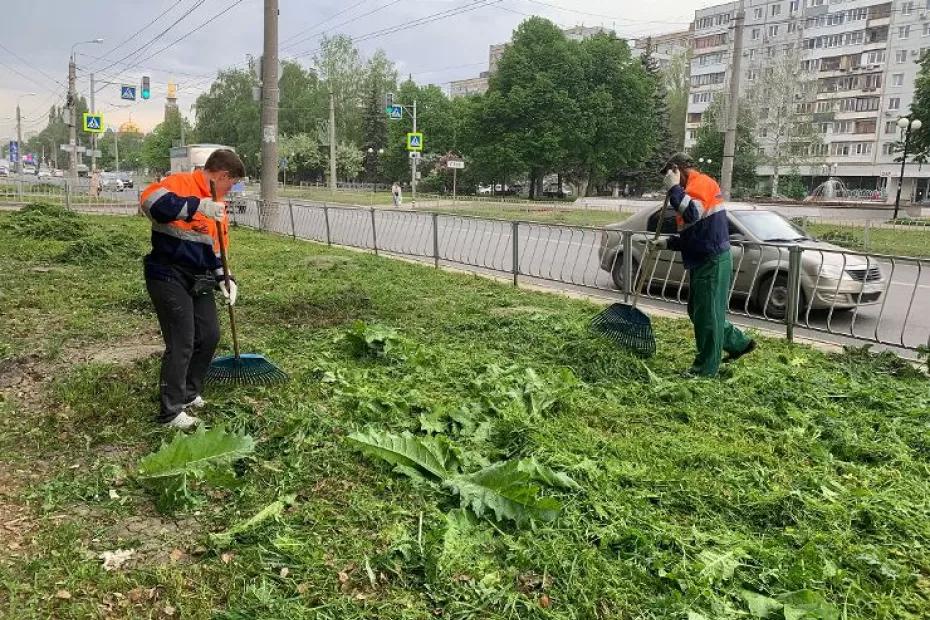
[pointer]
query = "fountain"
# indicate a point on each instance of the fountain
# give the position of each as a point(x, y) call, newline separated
point(831, 189)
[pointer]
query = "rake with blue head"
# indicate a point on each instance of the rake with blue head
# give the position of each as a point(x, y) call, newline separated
point(242, 368)
point(625, 324)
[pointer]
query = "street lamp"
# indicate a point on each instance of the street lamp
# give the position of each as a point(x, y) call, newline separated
point(19, 134)
point(906, 125)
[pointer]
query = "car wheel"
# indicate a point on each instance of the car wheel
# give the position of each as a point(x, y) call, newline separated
point(772, 297)
point(616, 272)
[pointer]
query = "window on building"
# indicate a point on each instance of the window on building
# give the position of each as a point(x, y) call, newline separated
point(751, 75)
point(773, 30)
point(888, 148)
point(876, 57)
point(819, 150)
point(907, 7)
point(792, 27)
point(824, 106)
point(839, 149)
point(904, 31)
point(824, 128)
point(775, 10)
point(863, 148)
point(842, 127)
point(897, 79)
point(757, 13)
point(891, 126)
point(796, 4)
point(694, 117)
point(755, 34)
point(900, 57)
point(865, 126)
point(894, 103)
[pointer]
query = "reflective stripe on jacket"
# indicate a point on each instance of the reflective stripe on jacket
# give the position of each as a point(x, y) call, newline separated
point(703, 230)
point(182, 237)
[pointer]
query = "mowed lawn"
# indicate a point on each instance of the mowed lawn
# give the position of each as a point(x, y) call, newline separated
point(797, 485)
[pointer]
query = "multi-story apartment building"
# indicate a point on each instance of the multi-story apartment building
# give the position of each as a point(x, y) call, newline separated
point(861, 58)
point(665, 46)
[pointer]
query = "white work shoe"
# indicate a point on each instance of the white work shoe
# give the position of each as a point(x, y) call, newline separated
point(197, 403)
point(182, 421)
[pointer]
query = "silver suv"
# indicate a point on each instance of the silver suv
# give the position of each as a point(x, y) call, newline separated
point(761, 238)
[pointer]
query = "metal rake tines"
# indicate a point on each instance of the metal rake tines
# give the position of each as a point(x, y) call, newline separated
point(246, 369)
point(628, 327)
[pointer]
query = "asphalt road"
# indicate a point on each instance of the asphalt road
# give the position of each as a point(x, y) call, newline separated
point(566, 258)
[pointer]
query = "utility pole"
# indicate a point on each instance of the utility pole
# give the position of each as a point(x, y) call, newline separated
point(116, 148)
point(413, 162)
point(72, 132)
point(270, 114)
point(332, 141)
point(729, 142)
point(93, 136)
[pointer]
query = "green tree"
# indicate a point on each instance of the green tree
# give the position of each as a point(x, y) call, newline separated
point(304, 155)
point(227, 114)
point(920, 108)
point(348, 161)
point(303, 100)
point(664, 144)
point(709, 145)
point(156, 148)
point(496, 160)
point(614, 129)
point(380, 78)
point(343, 74)
point(56, 133)
point(677, 75)
point(536, 76)
point(130, 150)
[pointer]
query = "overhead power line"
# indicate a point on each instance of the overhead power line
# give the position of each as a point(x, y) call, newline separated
point(332, 28)
point(142, 29)
point(193, 8)
point(318, 24)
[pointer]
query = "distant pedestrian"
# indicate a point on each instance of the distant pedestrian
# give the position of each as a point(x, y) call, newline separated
point(395, 194)
point(95, 184)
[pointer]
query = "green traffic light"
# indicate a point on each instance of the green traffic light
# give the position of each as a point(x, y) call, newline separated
point(145, 94)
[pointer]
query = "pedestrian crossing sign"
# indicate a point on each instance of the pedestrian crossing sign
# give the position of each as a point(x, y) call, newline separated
point(415, 141)
point(93, 123)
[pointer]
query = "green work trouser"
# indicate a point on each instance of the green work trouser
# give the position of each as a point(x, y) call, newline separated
point(709, 293)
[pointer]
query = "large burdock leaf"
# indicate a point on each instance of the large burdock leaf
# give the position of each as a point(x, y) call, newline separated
point(432, 458)
point(507, 491)
point(203, 454)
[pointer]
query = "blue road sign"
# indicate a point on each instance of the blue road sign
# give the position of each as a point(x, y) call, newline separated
point(395, 112)
point(128, 92)
point(14, 151)
point(415, 141)
point(93, 123)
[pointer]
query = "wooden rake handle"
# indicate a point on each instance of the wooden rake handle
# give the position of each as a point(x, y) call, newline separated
point(225, 260)
point(641, 279)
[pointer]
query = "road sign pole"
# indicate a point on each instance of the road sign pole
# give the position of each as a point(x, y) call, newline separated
point(455, 176)
point(332, 141)
point(413, 162)
point(19, 141)
point(93, 136)
point(72, 132)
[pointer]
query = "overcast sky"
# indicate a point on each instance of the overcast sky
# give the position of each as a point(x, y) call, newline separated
point(36, 38)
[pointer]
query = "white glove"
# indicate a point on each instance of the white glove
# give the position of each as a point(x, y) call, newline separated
point(214, 210)
point(658, 244)
point(671, 178)
point(230, 294)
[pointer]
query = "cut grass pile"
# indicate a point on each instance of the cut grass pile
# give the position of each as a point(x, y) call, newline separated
point(796, 486)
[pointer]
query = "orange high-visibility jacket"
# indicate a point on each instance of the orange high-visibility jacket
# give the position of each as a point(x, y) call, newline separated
point(181, 236)
point(703, 230)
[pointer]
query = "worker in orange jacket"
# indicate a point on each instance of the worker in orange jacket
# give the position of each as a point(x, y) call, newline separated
point(181, 273)
point(704, 242)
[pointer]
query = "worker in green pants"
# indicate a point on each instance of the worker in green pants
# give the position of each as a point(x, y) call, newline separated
point(704, 242)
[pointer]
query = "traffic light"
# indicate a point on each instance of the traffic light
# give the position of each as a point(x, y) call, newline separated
point(388, 101)
point(146, 91)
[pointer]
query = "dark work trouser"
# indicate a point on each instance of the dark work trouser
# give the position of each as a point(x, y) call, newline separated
point(191, 331)
point(708, 297)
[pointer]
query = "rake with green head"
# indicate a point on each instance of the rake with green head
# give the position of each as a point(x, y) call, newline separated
point(242, 368)
point(625, 324)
